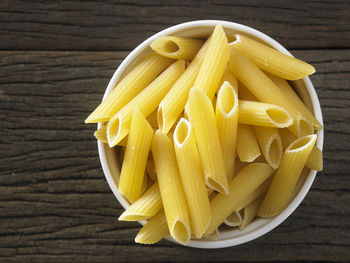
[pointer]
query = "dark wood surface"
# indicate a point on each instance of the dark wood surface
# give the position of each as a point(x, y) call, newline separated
point(55, 62)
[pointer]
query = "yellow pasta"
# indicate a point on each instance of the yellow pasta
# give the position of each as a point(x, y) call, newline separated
point(192, 177)
point(171, 189)
point(287, 175)
point(174, 102)
point(315, 160)
point(270, 144)
point(201, 115)
point(241, 186)
point(263, 114)
point(214, 63)
point(264, 89)
point(294, 98)
point(135, 159)
point(147, 101)
point(154, 230)
point(228, 76)
point(133, 83)
point(152, 119)
point(271, 60)
point(101, 134)
point(150, 168)
point(250, 212)
point(234, 219)
point(177, 47)
point(247, 144)
point(244, 93)
point(226, 120)
point(149, 204)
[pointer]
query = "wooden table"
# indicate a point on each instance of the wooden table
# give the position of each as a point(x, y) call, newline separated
point(55, 62)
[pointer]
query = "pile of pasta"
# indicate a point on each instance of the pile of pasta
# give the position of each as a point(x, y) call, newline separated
point(210, 132)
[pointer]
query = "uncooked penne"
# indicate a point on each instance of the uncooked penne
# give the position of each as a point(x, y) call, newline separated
point(250, 212)
point(133, 83)
point(171, 189)
point(147, 101)
point(192, 177)
point(202, 119)
point(150, 168)
point(174, 102)
point(247, 144)
point(272, 60)
point(287, 175)
point(228, 76)
point(294, 98)
point(234, 219)
point(315, 160)
point(244, 93)
point(264, 88)
point(135, 159)
point(154, 230)
point(149, 204)
point(152, 119)
point(101, 134)
point(177, 47)
point(214, 63)
point(241, 186)
point(263, 114)
point(226, 121)
point(270, 144)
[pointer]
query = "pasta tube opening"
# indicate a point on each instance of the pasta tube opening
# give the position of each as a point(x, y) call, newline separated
point(114, 131)
point(181, 132)
point(180, 232)
point(169, 46)
point(275, 152)
point(227, 99)
point(279, 116)
point(301, 143)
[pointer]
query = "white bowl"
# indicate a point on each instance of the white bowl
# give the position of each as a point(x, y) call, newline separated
point(200, 29)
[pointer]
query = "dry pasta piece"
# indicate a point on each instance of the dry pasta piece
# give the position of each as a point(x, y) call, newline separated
point(226, 120)
point(192, 177)
point(177, 47)
point(173, 103)
point(272, 60)
point(228, 76)
point(133, 83)
point(250, 212)
point(287, 175)
point(171, 189)
point(270, 144)
point(202, 118)
point(247, 144)
point(149, 204)
point(265, 90)
point(101, 134)
point(154, 230)
point(147, 101)
point(263, 114)
point(241, 186)
point(234, 219)
point(135, 159)
point(214, 63)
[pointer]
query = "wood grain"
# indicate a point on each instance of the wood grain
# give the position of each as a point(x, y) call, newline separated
point(122, 25)
point(56, 206)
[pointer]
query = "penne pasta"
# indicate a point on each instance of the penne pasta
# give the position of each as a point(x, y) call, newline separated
point(202, 119)
point(315, 160)
point(244, 93)
point(247, 144)
point(241, 186)
point(272, 60)
point(152, 119)
point(171, 189)
point(154, 230)
point(149, 204)
point(263, 114)
point(250, 212)
point(133, 83)
point(177, 47)
point(214, 63)
point(147, 101)
point(234, 219)
point(101, 134)
point(270, 144)
point(135, 159)
point(287, 175)
point(150, 168)
point(174, 102)
point(264, 89)
point(228, 76)
point(192, 177)
point(226, 121)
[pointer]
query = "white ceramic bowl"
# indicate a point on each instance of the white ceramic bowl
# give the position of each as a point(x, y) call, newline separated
point(200, 29)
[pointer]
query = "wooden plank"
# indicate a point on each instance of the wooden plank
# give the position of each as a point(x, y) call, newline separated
point(56, 206)
point(122, 25)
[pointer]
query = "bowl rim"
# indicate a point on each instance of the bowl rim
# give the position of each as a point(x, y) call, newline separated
point(277, 220)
